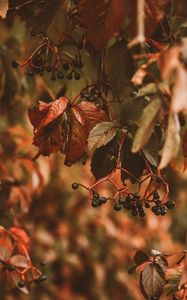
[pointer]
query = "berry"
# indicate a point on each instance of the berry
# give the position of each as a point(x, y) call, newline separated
point(156, 195)
point(21, 284)
point(170, 204)
point(14, 64)
point(11, 268)
point(43, 278)
point(134, 212)
point(77, 76)
point(162, 211)
point(48, 68)
point(139, 204)
point(30, 73)
point(141, 212)
point(156, 210)
point(117, 207)
point(96, 196)
point(154, 298)
point(147, 205)
point(127, 205)
point(94, 203)
point(60, 75)
point(42, 264)
point(69, 76)
point(53, 77)
point(158, 179)
point(103, 200)
point(75, 185)
point(65, 66)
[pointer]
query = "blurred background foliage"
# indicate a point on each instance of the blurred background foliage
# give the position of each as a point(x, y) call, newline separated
point(87, 251)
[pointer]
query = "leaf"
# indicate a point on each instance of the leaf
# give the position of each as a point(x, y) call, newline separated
point(146, 90)
point(19, 261)
point(146, 124)
point(84, 117)
point(179, 98)
point(4, 254)
point(131, 110)
point(77, 140)
point(152, 281)
point(16, 278)
point(140, 257)
point(104, 159)
point(3, 8)
point(52, 21)
point(172, 141)
point(175, 258)
point(102, 19)
point(154, 12)
point(101, 135)
point(119, 69)
point(152, 148)
point(21, 237)
point(131, 162)
point(45, 113)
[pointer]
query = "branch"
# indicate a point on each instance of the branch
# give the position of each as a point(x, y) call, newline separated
point(140, 37)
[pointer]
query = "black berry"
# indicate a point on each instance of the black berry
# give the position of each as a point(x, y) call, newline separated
point(134, 212)
point(117, 207)
point(14, 64)
point(53, 77)
point(156, 195)
point(60, 75)
point(11, 268)
point(75, 186)
point(69, 76)
point(170, 204)
point(43, 278)
point(21, 284)
point(66, 66)
point(77, 76)
point(103, 200)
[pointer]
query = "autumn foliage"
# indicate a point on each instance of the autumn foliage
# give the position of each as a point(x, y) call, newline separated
point(93, 147)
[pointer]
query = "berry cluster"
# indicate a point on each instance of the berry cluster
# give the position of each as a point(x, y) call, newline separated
point(92, 94)
point(46, 59)
point(132, 202)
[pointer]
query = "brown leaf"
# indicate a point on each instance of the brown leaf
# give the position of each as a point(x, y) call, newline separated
point(175, 258)
point(172, 142)
point(84, 117)
point(52, 21)
point(140, 257)
point(3, 8)
point(101, 19)
point(152, 281)
point(44, 113)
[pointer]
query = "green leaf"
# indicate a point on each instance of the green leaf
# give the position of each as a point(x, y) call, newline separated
point(133, 163)
point(52, 21)
point(104, 160)
point(146, 90)
point(152, 148)
point(146, 124)
point(172, 141)
point(131, 110)
point(119, 69)
point(101, 135)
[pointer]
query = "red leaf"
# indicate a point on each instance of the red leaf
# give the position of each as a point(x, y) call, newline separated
point(154, 12)
point(101, 19)
point(4, 253)
point(84, 117)
point(21, 236)
point(19, 261)
point(44, 113)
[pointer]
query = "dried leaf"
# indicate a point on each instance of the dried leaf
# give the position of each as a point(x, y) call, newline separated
point(3, 8)
point(19, 261)
point(175, 258)
point(152, 281)
point(104, 160)
point(102, 19)
point(52, 21)
point(119, 69)
point(179, 98)
point(146, 124)
point(172, 141)
point(101, 135)
point(44, 113)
